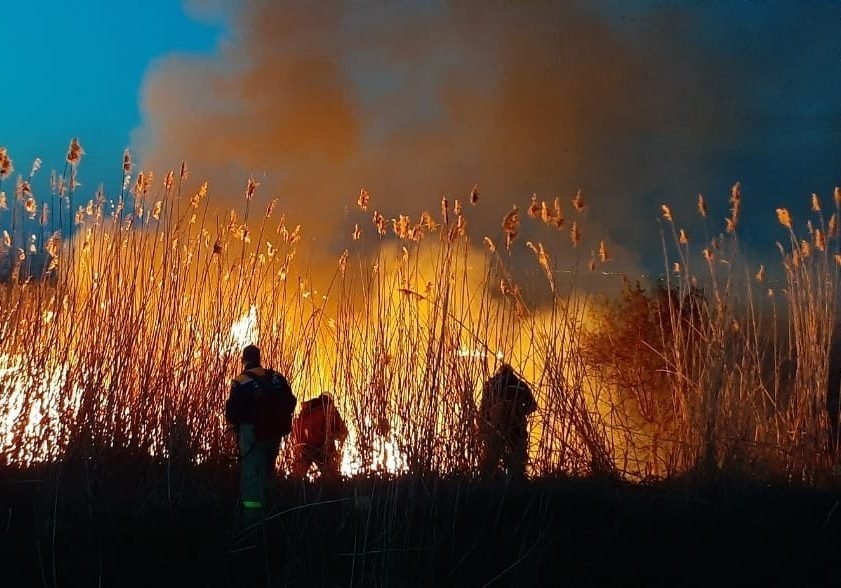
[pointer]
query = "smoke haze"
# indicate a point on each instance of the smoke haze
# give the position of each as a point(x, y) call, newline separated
point(415, 101)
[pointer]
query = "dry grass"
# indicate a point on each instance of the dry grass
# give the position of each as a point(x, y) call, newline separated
point(127, 342)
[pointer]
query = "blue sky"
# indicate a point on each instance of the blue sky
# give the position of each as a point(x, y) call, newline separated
point(76, 69)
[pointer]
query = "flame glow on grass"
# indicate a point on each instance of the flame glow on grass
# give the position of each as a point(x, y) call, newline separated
point(129, 342)
point(36, 410)
point(387, 458)
point(245, 331)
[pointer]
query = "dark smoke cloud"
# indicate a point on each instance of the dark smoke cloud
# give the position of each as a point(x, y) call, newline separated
point(419, 100)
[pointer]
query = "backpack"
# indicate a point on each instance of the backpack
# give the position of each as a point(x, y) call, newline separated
point(274, 404)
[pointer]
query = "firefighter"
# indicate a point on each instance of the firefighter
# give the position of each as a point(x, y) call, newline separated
point(318, 434)
point(506, 403)
point(260, 406)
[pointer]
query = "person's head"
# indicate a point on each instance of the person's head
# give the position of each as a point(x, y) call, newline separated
point(251, 355)
point(505, 369)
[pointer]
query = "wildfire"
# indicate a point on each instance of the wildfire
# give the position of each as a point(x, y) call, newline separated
point(386, 457)
point(39, 404)
point(135, 337)
point(478, 354)
point(244, 331)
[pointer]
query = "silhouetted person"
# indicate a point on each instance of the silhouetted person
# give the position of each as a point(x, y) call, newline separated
point(260, 405)
point(506, 403)
point(318, 434)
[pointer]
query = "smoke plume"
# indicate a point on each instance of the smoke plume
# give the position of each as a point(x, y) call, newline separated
point(415, 101)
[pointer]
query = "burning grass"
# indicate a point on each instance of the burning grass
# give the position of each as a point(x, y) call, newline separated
point(127, 338)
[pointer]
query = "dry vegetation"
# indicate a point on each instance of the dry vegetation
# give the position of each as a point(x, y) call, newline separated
point(126, 341)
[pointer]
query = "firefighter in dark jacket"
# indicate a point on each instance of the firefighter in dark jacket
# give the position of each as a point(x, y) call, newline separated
point(260, 405)
point(507, 401)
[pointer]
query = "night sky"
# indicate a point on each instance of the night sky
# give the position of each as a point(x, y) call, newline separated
point(635, 103)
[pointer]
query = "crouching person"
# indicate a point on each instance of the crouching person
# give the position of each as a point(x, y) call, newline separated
point(318, 435)
point(260, 406)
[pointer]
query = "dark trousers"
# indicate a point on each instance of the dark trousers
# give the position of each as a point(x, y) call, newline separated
point(511, 448)
point(257, 461)
point(326, 458)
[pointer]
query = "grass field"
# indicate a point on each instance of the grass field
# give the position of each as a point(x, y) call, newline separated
point(118, 344)
point(131, 529)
